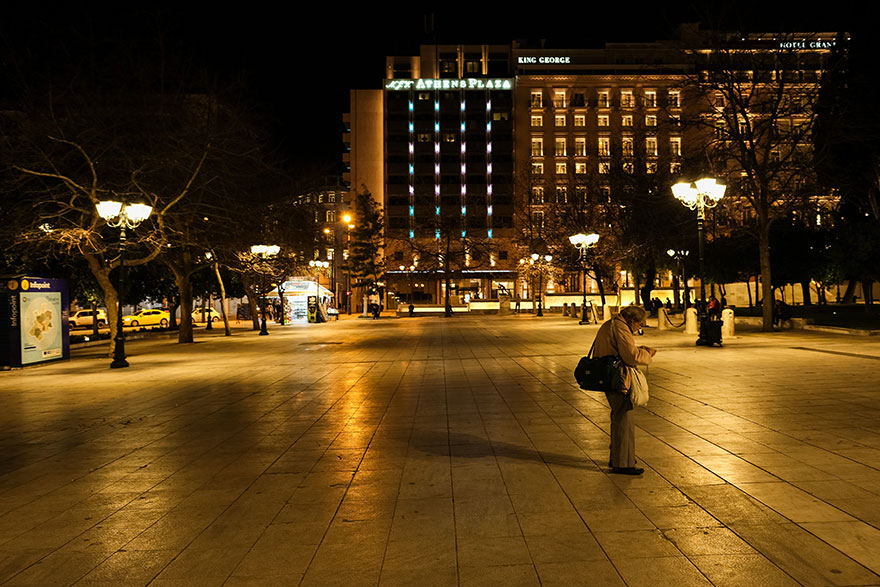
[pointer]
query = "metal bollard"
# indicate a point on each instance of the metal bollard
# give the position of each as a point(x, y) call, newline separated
point(728, 328)
point(690, 324)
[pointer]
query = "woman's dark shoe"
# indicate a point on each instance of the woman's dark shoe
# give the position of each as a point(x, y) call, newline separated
point(627, 470)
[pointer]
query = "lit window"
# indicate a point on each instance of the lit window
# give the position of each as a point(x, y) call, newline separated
point(675, 167)
point(537, 147)
point(580, 120)
point(424, 137)
point(330, 216)
point(559, 99)
point(627, 145)
point(580, 168)
point(602, 99)
point(626, 99)
point(561, 168)
point(651, 167)
point(538, 219)
point(604, 146)
point(424, 95)
point(472, 67)
point(580, 146)
point(674, 120)
point(449, 137)
point(537, 168)
point(561, 194)
point(627, 167)
point(560, 147)
point(537, 195)
point(650, 120)
point(675, 146)
point(651, 146)
point(602, 120)
point(537, 120)
point(604, 167)
point(537, 99)
point(626, 120)
point(650, 99)
point(674, 99)
point(560, 120)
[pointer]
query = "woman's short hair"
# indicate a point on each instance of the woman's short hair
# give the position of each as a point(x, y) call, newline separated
point(633, 313)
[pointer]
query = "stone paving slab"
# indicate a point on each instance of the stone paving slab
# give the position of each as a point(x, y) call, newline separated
point(440, 452)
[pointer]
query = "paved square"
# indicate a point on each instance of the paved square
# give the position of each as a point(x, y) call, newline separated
point(440, 452)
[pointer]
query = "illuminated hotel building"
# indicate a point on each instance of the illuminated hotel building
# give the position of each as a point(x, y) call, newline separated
point(479, 141)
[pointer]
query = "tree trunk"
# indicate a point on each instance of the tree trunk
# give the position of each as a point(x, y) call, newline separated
point(648, 288)
point(182, 271)
point(600, 284)
point(868, 292)
point(222, 299)
point(766, 283)
point(805, 288)
point(172, 313)
point(749, 291)
point(850, 293)
point(252, 302)
point(111, 300)
point(676, 295)
point(94, 307)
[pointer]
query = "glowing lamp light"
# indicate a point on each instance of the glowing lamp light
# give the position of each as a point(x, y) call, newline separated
point(109, 209)
point(265, 250)
point(581, 240)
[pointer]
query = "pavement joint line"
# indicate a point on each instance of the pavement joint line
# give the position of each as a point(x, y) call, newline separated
point(842, 353)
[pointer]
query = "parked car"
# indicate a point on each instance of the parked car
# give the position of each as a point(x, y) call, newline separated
point(147, 318)
point(199, 315)
point(85, 319)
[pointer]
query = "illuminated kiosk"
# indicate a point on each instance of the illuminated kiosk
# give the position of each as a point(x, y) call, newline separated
point(297, 293)
point(34, 313)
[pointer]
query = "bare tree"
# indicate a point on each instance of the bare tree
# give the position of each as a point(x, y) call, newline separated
point(753, 103)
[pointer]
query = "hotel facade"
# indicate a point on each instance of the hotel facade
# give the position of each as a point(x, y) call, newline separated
point(479, 153)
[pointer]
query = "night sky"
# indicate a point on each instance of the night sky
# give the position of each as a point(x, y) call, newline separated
point(294, 65)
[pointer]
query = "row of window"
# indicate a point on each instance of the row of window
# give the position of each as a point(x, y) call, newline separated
point(560, 146)
point(602, 120)
point(581, 168)
point(627, 98)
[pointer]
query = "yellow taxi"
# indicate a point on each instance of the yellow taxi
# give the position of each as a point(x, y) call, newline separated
point(147, 318)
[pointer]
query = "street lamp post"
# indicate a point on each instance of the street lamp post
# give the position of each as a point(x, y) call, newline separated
point(121, 215)
point(348, 219)
point(680, 257)
point(264, 252)
point(703, 193)
point(583, 242)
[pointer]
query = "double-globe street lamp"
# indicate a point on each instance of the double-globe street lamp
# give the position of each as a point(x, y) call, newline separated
point(122, 215)
point(264, 252)
point(538, 262)
point(583, 242)
point(703, 193)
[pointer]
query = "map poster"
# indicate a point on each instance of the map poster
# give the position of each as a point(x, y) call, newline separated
point(41, 326)
point(33, 320)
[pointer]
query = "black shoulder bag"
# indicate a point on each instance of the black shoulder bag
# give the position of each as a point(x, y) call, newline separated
point(598, 374)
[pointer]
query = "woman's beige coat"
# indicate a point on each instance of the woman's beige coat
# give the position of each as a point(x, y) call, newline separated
point(615, 338)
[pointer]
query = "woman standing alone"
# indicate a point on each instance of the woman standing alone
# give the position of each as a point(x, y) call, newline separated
point(616, 338)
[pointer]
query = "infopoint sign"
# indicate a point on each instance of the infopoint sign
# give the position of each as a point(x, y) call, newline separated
point(449, 84)
point(33, 316)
